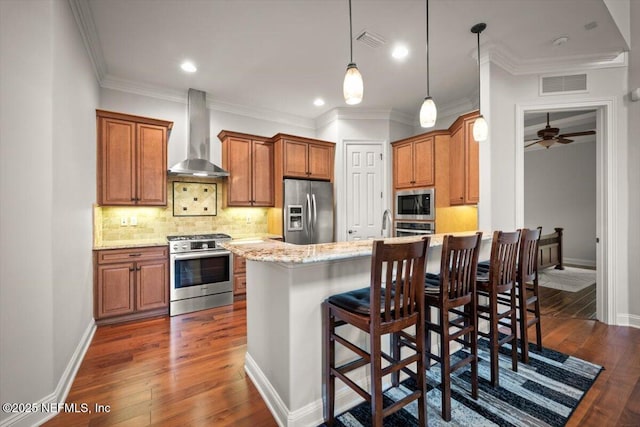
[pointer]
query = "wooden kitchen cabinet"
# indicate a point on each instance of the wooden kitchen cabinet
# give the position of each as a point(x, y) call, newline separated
point(132, 159)
point(413, 162)
point(306, 158)
point(130, 283)
point(250, 162)
point(463, 162)
point(239, 276)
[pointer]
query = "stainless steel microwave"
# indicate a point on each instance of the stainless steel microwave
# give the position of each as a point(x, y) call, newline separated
point(416, 204)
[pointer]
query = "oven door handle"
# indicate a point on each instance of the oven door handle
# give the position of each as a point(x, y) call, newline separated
point(409, 230)
point(195, 255)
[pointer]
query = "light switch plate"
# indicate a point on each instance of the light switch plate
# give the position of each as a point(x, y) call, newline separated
point(123, 221)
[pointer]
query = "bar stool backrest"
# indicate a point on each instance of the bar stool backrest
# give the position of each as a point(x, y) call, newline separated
point(528, 259)
point(503, 261)
point(458, 268)
point(398, 268)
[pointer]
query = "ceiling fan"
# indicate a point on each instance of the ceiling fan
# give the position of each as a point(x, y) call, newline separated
point(551, 135)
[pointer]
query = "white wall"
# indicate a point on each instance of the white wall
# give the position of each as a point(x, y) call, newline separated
point(75, 97)
point(560, 191)
point(508, 93)
point(47, 176)
point(632, 163)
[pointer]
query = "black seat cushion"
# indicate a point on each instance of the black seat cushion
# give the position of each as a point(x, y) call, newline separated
point(356, 301)
point(432, 283)
point(483, 267)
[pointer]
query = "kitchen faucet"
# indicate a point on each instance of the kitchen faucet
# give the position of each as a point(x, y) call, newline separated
point(386, 217)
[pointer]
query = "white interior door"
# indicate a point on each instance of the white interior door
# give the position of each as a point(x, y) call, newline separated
point(364, 191)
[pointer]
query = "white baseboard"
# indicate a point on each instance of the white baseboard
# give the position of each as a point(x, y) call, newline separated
point(632, 320)
point(311, 414)
point(29, 419)
point(579, 262)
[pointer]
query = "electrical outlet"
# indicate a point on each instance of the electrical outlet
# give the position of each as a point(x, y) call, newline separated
point(133, 220)
point(123, 221)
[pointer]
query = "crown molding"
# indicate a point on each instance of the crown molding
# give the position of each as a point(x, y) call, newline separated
point(87, 27)
point(174, 95)
point(348, 113)
point(516, 65)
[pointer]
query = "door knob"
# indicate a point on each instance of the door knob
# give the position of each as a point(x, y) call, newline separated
point(350, 231)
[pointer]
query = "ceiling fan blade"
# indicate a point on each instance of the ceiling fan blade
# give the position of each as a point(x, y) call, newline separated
point(563, 140)
point(533, 143)
point(587, 132)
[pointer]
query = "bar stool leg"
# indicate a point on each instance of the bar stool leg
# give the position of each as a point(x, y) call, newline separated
point(329, 356)
point(524, 330)
point(445, 365)
point(376, 379)
point(514, 331)
point(494, 337)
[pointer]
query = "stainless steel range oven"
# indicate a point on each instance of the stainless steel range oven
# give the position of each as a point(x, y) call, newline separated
point(200, 273)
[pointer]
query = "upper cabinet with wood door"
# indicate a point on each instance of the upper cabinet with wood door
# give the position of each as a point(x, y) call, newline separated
point(132, 159)
point(413, 162)
point(250, 162)
point(463, 162)
point(306, 158)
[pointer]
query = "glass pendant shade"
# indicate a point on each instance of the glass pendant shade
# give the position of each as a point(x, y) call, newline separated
point(428, 113)
point(353, 87)
point(480, 129)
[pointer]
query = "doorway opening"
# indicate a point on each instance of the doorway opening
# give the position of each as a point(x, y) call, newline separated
point(560, 194)
point(605, 190)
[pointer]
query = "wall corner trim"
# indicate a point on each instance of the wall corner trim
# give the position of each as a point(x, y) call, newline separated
point(62, 389)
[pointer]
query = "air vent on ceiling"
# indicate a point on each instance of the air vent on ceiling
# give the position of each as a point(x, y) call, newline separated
point(561, 84)
point(371, 39)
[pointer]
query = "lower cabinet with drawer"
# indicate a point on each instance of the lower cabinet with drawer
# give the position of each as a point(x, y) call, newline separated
point(239, 276)
point(130, 283)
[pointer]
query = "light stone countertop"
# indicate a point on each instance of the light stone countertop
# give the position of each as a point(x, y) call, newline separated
point(125, 244)
point(275, 251)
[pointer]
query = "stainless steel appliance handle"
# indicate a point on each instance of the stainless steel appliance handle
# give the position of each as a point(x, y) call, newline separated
point(315, 212)
point(197, 255)
point(409, 230)
point(308, 215)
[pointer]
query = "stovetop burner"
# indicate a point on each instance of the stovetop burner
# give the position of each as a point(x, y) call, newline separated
point(196, 237)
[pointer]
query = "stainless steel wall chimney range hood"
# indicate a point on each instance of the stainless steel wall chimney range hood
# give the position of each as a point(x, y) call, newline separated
point(197, 162)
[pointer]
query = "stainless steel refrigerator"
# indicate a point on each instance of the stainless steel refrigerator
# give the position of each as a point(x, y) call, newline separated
point(308, 211)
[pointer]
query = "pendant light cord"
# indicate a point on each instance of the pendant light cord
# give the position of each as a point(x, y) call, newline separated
point(428, 47)
point(479, 111)
point(350, 34)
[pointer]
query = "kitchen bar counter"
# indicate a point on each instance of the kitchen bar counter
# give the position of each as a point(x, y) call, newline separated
point(275, 251)
point(286, 285)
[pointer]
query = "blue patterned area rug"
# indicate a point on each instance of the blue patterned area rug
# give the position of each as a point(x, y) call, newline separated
point(544, 392)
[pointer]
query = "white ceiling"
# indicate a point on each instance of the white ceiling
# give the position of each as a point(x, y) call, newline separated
point(278, 55)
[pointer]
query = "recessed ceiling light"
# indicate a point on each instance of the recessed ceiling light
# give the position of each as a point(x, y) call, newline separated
point(400, 52)
point(318, 102)
point(188, 66)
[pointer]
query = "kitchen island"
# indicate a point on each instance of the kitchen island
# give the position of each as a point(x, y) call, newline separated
point(286, 285)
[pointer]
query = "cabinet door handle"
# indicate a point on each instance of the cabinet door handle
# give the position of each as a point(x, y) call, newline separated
point(132, 255)
point(138, 268)
point(132, 269)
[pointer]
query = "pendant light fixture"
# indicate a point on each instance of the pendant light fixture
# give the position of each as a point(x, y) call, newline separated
point(480, 126)
point(353, 88)
point(428, 111)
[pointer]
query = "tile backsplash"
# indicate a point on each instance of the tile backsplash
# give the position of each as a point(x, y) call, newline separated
point(159, 222)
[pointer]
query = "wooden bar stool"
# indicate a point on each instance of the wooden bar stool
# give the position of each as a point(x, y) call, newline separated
point(452, 292)
point(393, 302)
point(528, 293)
point(500, 283)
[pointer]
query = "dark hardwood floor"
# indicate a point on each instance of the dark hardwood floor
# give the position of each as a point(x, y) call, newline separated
point(188, 370)
point(556, 303)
